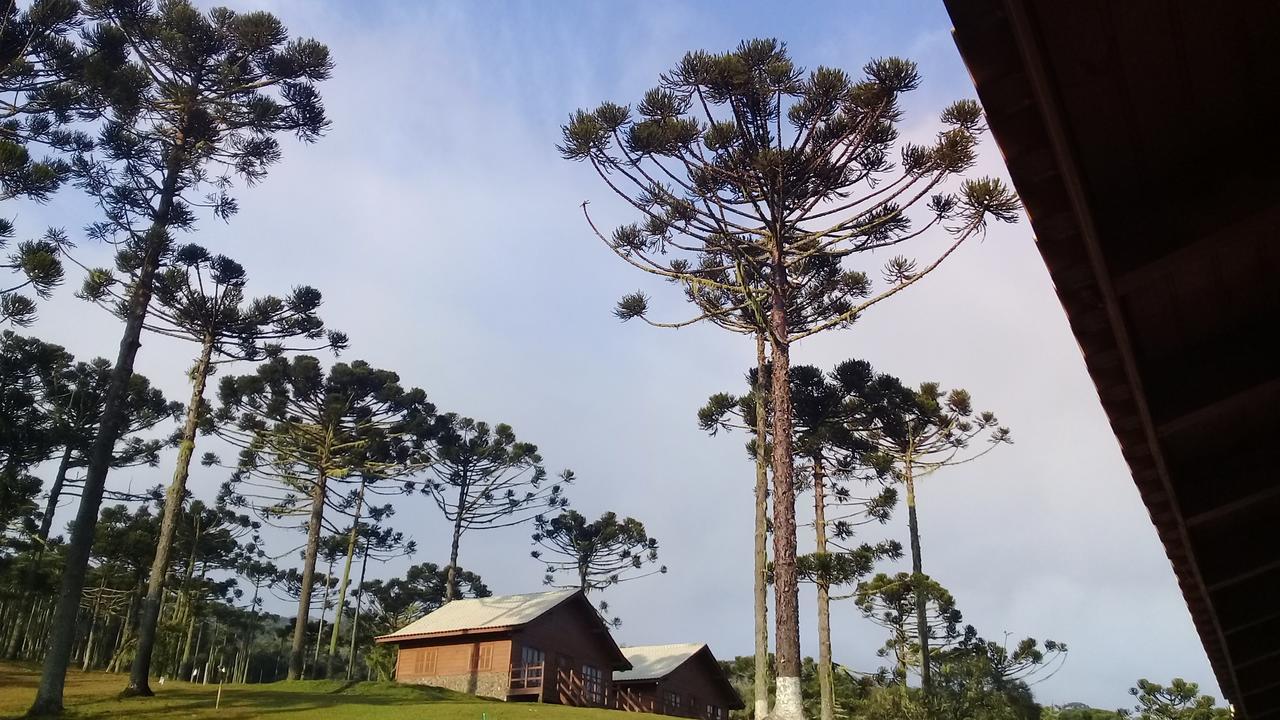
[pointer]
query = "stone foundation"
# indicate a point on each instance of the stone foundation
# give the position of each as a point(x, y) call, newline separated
point(494, 684)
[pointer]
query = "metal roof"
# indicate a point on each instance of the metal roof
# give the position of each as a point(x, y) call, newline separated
point(491, 613)
point(652, 662)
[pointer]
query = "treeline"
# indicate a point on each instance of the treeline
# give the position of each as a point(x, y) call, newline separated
point(980, 691)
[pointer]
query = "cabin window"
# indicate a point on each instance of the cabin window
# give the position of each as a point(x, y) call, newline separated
point(714, 712)
point(424, 662)
point(485, 659)
point(531, 656)
point(593, 684)
point(531, 668)
point(671, 701)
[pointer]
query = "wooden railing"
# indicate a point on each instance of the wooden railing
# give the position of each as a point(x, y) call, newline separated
point(527, 676)
point(624, 699)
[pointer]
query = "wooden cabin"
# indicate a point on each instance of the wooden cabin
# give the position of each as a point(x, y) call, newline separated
point(546, 647)
point(680, 680)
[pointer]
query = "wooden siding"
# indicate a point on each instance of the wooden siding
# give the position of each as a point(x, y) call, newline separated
point(477, 665)
point(697, 683)
point(569, 639)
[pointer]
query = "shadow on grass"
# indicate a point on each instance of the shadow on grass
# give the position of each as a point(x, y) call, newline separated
point(96, 695)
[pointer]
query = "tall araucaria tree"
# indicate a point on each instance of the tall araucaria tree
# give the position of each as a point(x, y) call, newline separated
point(76, 401)
point(748, 176)
point(199, 298)
point(198, 92)
point(831, 458)
point(378, 538)
point(29, 378)
point(483, 478)
point(935, 432)
point(304, 432)
point(40, 100)
point(595, 554)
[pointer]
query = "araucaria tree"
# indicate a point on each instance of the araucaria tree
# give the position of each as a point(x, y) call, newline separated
point(197, 93)
point(594, 554)
point(935, 432)
point(40, 66)
point(892, 602)
point(1179, 700)
point(753, 182)
point(302, 431)
point(483, 478)
point(199, 298)
point(842, 468)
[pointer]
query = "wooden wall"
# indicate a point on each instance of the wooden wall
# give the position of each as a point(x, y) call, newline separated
point(697, 683)
point(569, 638)
point(479, 665)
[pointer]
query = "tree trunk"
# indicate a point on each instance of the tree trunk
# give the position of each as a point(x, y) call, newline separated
point(55, 492)
point(93, 626)
point(760, 570)
point(825, 689)
point(788, 703)
point(346, 577)
point(126, 629)
point(355, 619)
point(208, 661)
point(53, 677)
point(297, 652)
point(917, 579)
point(42, 535)
point(451, 577)
point(147, 627)
point(324, 608)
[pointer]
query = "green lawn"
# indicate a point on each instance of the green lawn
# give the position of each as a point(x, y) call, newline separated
point(93, 695)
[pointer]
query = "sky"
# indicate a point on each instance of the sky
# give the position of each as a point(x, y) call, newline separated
point(446, 234)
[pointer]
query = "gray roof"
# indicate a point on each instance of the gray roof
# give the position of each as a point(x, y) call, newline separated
point(652, 662)
point(500, 611)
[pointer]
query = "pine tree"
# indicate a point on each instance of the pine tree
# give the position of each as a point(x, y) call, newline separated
point(483, 478)
point(934, 433)
point(595, 554)
point(742, 215)
point(892, 602)
point(304, 431)
point(831, 452)
point(197, 92)
point(199, 298)
point(39, 66)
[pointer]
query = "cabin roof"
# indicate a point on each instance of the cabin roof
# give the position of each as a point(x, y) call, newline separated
point(653, 662)
point(498, 612)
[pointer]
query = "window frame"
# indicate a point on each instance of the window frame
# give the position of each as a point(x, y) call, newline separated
point(593, 684)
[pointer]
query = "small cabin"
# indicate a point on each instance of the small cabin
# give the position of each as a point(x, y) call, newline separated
point(682, 680)
point(546, 647)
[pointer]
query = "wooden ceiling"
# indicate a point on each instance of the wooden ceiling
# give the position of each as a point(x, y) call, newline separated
point(1144, 139)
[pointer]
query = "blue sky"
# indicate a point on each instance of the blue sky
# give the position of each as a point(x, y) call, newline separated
point(445, 233)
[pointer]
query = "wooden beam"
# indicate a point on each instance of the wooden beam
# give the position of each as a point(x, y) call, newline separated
point(1239, 577)
point(1218, 408)
point(1228, 509)
point(1261, 658)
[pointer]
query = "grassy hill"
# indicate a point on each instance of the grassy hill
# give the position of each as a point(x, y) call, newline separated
point(93, 695)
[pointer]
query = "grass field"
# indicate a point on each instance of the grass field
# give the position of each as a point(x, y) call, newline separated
point(93, 695)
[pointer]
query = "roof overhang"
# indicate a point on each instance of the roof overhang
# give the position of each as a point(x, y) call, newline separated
point(1140, 136)
point(393, 638)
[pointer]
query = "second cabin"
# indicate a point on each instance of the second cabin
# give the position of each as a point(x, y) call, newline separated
point(554, 647)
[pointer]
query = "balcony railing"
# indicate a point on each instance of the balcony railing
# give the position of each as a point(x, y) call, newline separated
point(526, 676)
